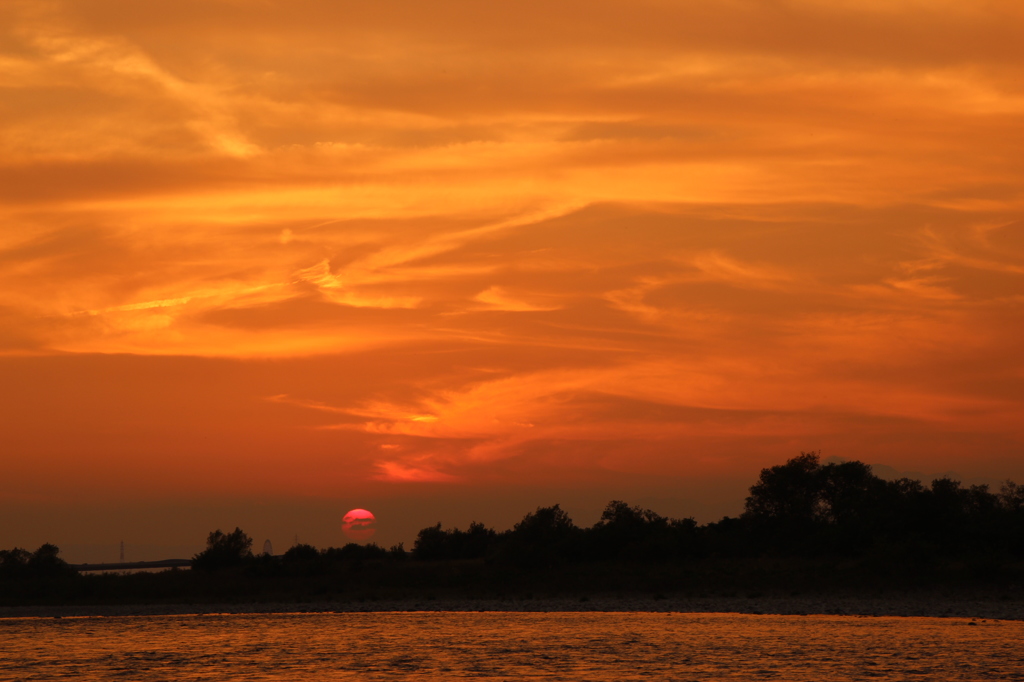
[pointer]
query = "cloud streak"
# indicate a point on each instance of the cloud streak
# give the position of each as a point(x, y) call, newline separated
point(689, 236)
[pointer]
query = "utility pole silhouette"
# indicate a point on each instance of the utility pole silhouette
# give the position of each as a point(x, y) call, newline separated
point(122, 551)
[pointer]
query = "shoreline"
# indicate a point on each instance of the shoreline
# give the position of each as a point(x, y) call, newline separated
point(918, 606)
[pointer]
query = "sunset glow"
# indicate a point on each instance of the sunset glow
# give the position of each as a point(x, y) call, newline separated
point(312, 248)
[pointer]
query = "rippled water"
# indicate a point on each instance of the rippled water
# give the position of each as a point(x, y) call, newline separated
point(553, 646)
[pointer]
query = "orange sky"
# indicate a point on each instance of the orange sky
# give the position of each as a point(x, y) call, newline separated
point(403, 253)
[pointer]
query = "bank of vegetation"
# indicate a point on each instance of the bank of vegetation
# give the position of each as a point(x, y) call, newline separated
point(806, 528)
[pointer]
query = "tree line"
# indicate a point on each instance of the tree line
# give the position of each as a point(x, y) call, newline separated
point(802, 510)
point(798, 509)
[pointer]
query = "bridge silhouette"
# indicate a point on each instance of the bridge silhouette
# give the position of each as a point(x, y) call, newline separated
point(133, 565)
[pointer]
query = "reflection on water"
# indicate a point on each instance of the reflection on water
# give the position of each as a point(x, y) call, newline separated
point(555, 646)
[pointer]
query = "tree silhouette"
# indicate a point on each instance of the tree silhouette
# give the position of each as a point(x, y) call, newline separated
point(543, 538)
point(848, 491)
point(44, 562)
point(1011, 497)
point(789, 493)
point(223, 550)
point(14, 562)
point(633, 533)
point(301, 553)
point(433, 543)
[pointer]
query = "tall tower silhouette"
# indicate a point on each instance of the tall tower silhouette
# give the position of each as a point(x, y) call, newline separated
point(122, 551)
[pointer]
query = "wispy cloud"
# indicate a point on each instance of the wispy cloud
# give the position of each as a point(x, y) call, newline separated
point(669, 235)
point(401, 473)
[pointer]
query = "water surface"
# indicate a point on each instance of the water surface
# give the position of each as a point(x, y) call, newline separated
point(550, 646)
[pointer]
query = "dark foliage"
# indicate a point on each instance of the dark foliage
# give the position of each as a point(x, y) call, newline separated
point(44, 562)
point(223, 551)
point(434, 543)
point(798, 509)
point(805, 526)
point(544, 538)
